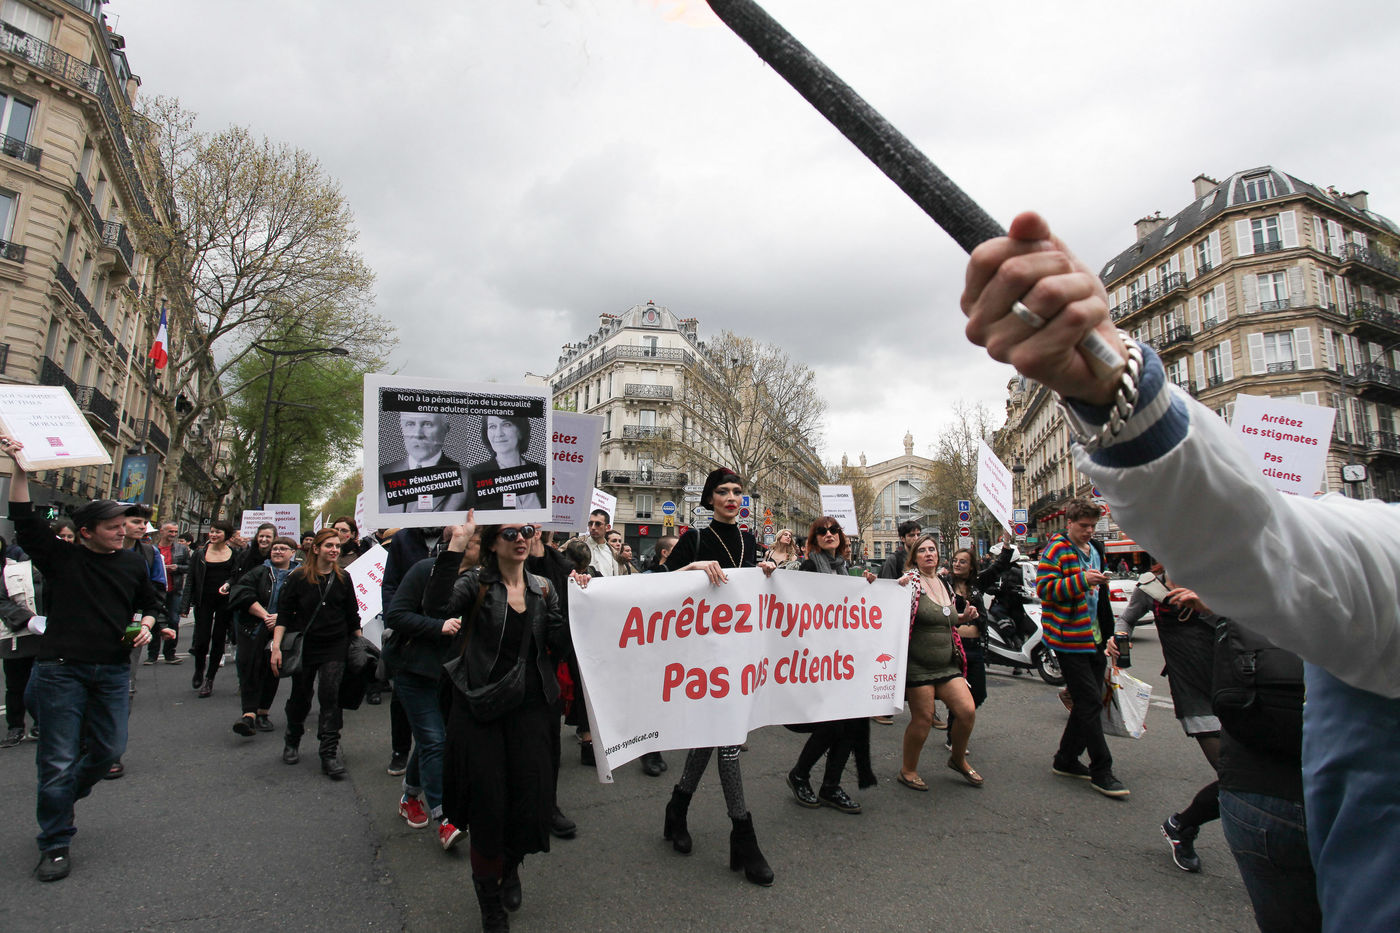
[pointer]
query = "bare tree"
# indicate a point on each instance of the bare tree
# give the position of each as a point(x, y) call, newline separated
point(953, 474)
point(751, 409)
point(250, 239)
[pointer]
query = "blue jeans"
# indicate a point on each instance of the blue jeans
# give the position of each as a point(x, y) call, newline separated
point(419, 696)
point(83, 708)
point(1350, 762)
point(1269, 839)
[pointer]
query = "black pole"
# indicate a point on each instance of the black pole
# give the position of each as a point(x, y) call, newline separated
point(262, 432)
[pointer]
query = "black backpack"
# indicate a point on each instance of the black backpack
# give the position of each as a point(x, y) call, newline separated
point(1258, 692)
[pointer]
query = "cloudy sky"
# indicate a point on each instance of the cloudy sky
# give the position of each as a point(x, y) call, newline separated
point(519, 166)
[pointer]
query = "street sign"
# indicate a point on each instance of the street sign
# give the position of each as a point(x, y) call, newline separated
point(743, 526)
point(692, 498)
point(1020, 516)
point(695, 489)
point(668, 522)
point(668, 508)
point(964, 516)
point(744, 502)
point(964, 505)
point(767, 513)
point(769, 538)
point(744, 511)
point(964, 531)
point(1020, 529)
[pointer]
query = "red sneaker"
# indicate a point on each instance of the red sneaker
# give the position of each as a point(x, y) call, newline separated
point(448, 835)
point(411, 809)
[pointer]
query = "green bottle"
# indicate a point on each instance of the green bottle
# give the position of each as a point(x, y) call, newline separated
point(133, 629)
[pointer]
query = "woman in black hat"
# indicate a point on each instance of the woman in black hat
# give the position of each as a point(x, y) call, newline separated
point(720, 546)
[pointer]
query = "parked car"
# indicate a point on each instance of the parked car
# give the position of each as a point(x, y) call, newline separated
point(1120, 589)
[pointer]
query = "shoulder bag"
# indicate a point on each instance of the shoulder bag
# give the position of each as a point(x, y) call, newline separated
point(491, 701)
point(294, 642)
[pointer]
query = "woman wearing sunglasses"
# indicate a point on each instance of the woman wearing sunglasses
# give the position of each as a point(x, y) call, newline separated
point(829, 551)
point(937, 667)
point(712, 550)
point(498, 774)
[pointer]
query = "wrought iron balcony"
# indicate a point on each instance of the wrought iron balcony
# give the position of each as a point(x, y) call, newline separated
point(153, 435)
point(1208, 323)
point(4, 356)
point(114, 237)
point(1286, 366)
point(1267, 246)
point(51, 374)
point(1213, 381)
point(1203, 266)
point(664, 478)
point(1369, 316)
point(624, 352)
point(1378, 382)
point(1178, 334)
point(1169, 283)
point(638, 390)
point(80, 185)
point(19, 149)
point(1383, 442)
point(65, 278)
point(98, 405)
point(12, 251)
point(1364, 258)
point(643, 432)
point(1281, 304)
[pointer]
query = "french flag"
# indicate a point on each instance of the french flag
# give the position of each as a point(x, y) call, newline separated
point(158, 353)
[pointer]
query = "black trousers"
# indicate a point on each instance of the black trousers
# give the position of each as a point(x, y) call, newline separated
point(323, 678)
point(16, 679)
point(837, 739)
point(211, 631)
point(257, 685)
point(1084, 676)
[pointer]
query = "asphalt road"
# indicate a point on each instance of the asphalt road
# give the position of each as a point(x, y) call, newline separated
point(211, 832)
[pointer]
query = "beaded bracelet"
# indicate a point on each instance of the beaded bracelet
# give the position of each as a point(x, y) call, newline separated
point(1121, 409)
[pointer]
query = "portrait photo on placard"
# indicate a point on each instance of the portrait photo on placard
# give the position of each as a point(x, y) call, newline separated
point(435, 448)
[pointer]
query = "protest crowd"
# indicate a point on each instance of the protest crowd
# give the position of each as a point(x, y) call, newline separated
point(477, 663)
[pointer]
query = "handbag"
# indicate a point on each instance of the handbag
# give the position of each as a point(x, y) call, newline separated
point(491, 701)
point(1125, 704)
point(294, 642)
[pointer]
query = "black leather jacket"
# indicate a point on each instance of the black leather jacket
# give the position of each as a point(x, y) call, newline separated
point(450, 595)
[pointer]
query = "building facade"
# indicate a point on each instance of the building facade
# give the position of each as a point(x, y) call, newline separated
point(633, 371)
point(79, 302)
point(898, 485)
point(1266, 285)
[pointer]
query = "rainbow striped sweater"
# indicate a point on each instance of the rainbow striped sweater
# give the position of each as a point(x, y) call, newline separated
point(1063, 587)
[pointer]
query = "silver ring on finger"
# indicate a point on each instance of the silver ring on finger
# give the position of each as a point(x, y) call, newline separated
point(1027, 316)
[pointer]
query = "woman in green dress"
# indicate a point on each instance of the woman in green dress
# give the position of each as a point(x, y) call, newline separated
point(937, 667)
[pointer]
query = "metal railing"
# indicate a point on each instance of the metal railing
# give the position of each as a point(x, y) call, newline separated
point(12, 251)
point(19, 149)
point(1181, 333)
point(51, 374)
point(1278, 305)
point(1166, 286)
point(624, 352)
point(1208, 323)
point(639, 390)
point(114, 237)
point(1286, 366)
point(1213, 381)
point(96, 403)
point(1387, 441)
point(1372, 313)
point(666, 478)
point(4, 356)
point(80, 185)
point(1352, 252)
point(1379, 374)
point(154, 436)
point(1267, 246)
point(65, 278)
point(644, 432)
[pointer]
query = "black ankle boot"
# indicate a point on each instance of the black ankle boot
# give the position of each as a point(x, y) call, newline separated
point(332, 763)
point(743, 852)
point(493, 911)
point(676, 830)
point(511, 895)
point(291, 750)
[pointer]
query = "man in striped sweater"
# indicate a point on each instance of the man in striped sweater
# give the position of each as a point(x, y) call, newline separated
point(1078, 620)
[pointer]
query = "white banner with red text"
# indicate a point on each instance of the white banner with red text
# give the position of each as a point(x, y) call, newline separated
point(670, 661)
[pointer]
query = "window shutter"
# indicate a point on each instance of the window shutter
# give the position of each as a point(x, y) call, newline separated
point(1256, 354)
point(1215, 249)
point(1142, 283)
point(1302, 347)
point(1319, 235)
point(1329, 350)
point(1189, 255)
point(1221, 313)
point(1151, 277)
point(1288, 227)
point(1244, 239)
point(1320, 279)
point(1176, 264)
point(1230, 413)
point(1295, 286)
point(1358, 238)
point(1227, 360)
point(1392, 304)
point(1334, 238)
point(1251, 293)
point(1198, 360)
point(1193, 314)
point(1122, 294)
point(1156, 326)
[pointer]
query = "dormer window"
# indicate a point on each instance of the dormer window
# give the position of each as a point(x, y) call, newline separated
point(1259, 188)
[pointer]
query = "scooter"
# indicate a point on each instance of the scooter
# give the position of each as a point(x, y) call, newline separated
point(1015, 638)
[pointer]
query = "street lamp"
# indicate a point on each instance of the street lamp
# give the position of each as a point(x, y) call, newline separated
point(267, 406)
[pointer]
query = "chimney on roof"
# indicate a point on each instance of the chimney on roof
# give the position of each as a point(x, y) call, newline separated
point(1147, 224)
point(1204, 185)
point(1356, 199)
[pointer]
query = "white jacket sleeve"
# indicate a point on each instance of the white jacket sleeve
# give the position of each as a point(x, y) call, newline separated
point(1318, 577)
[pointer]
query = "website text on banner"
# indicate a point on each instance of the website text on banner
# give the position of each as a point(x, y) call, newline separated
point(1287, 440)
point(994, 484)
point(574, 448)
point(670, 661)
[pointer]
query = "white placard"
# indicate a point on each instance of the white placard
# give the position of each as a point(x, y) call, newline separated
point(316, 525)
point(362, 522)
point(435, 448)
point(287, 518)
point(250, 520)
point(840, 503)
point(994, 484)
point(367, 578)
point(574, 448)
point(55, 434)
point(670, 661)
point(1287, 440)
point(601, 500)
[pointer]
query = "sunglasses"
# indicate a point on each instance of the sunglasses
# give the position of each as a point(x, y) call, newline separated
point(829, 530)
point(524, 531)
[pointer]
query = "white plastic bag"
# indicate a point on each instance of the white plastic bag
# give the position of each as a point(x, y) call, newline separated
point(1125, 704)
